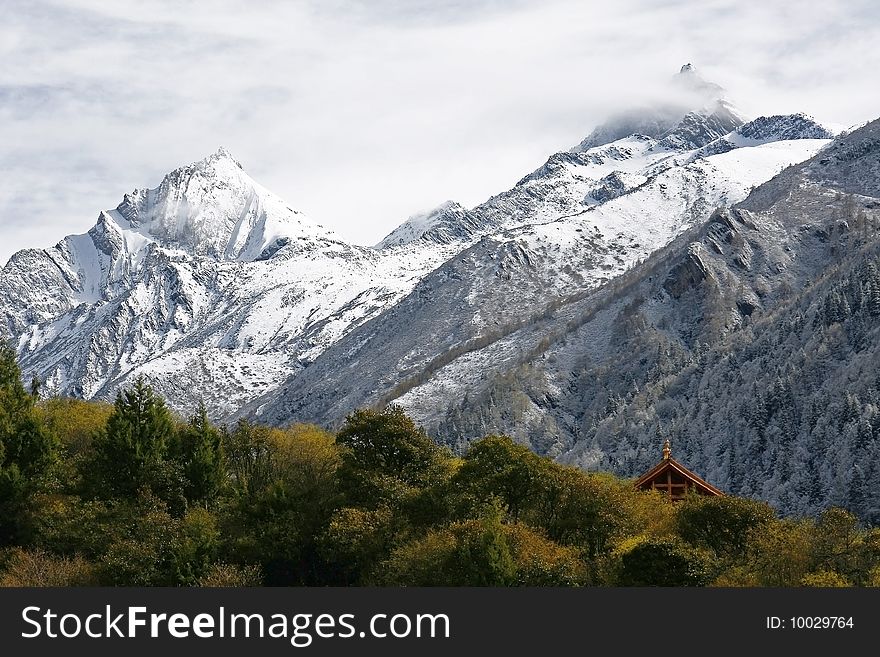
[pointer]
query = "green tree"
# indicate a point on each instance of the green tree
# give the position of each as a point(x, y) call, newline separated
point(130, 454)
point(27, 449)
point(838, 544)
point(35, 568)
point(14, 491)
point(662, 562)
point(250, 457)
point(24, 441)
point(277, 523)
point(75, 422)
point(220, 575)
point(482, 552)
point(354, 542)
point(496, 466)
point(267, 528)
point(487, 551)
point(825, 579)
point(593, 511)
point(471, 553)
point(721, 524)
point(385, 456)
point(153, 548)
point(198, 448)
point(779, 552)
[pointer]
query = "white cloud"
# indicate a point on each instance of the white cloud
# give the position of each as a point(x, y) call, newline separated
point(361, 113)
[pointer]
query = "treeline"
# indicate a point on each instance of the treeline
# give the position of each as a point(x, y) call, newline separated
point(127, 494)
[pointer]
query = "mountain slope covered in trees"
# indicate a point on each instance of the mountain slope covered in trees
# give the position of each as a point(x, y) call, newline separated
point(751, 341)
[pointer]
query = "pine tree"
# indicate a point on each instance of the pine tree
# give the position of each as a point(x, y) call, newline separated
point(198, 449)
point(131, 451)
point(858, 492)
point(26, 448)
point(874, 296)
point(24, 442)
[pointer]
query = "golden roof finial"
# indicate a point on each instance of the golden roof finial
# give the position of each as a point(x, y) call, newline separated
point(667, 450)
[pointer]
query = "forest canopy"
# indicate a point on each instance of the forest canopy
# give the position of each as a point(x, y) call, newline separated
point(128, 494)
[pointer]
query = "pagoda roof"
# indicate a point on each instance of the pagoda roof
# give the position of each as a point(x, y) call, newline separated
point(669, 463)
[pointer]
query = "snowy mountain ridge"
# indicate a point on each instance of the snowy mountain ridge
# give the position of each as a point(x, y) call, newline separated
point(217, 290)
point(448, 223)
point(206, 280)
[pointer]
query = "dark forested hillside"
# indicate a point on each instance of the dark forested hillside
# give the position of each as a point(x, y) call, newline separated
point(784, 409)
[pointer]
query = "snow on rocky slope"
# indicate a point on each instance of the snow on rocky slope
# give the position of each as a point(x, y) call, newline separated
point(750, 341)
point(217, 290)
point(208, 284)
point(548, 238)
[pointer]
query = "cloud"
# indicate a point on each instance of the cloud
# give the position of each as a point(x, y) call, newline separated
point(363, 112)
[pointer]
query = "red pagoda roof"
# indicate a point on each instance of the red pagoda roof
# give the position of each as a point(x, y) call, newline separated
point(671, 477)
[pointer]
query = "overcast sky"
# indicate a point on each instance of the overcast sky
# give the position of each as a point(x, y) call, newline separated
point(362, 112)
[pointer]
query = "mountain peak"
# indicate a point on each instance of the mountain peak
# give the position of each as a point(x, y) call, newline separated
point(222, 154)
point(689, 99)
point(447, 223)
point(221, 162)
point(690, 81)
point(213, 208)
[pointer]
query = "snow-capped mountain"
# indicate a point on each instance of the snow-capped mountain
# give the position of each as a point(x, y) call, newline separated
point(751, 341)
point(213, 209)
point(209, 284)
point(559, 232)
point(216, 289)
